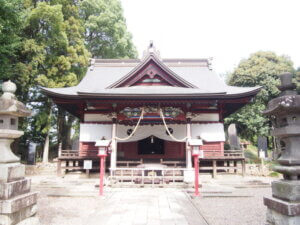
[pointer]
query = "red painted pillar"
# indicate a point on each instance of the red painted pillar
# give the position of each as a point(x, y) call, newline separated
point(102, 169)
point(196, 165)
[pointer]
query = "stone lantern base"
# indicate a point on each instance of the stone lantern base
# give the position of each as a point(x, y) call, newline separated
point(17, 203)
point(284, 206)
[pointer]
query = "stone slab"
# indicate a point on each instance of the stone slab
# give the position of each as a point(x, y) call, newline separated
point(30, 221)
point(19, 216)
point(283, 207)
point(14, 188)
point(286, 190)
point(11, 172)
point(17, 203)
point(289, 170)
point(275, 218)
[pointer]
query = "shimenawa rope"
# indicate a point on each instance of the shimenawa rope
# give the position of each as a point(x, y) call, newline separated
point(134, 130)
point(167, 129)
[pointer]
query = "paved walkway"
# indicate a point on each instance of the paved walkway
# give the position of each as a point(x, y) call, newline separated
point(225, 201)
point(147, 207)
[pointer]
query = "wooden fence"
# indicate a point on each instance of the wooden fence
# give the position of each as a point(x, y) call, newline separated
point(147, 176)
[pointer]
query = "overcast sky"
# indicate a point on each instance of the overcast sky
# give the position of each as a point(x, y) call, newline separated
point(227, 30)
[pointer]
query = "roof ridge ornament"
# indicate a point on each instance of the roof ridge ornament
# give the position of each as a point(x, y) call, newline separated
point(151, 50)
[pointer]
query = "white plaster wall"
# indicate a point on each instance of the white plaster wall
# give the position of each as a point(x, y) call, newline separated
point(179, 132)
point(95, 117)
point(94, 132)
point(207, 117)
point(209, 132)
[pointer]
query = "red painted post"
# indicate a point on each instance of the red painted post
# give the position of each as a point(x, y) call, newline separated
point(196, 165)
point(101, 175)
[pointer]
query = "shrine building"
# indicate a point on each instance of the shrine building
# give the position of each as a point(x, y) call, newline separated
point(150, 108)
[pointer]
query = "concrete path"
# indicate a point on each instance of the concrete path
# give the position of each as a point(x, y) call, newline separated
point(225, 201)
point(146, 207)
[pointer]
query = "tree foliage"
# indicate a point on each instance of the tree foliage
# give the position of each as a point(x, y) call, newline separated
point(260, 69)
point(10, 40)
point(48, 43)
point(106, 34)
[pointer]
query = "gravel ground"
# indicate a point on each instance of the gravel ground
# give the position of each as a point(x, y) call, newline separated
point(235, 210)
point(224, 201)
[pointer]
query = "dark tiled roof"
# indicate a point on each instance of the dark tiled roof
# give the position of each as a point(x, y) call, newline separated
point(103, 73)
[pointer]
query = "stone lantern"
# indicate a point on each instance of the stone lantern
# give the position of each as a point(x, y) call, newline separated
point(17, 203)
point(284, 111)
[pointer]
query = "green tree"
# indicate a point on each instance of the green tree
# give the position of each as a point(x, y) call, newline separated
point(79, 53)
point(46, 43)
point(10, 41)
point(54, 55)
point(106, 34)
point(260, 69)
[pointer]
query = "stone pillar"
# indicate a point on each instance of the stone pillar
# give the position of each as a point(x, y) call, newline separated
point(113, 156)
point(284, 112)
point(17, 203)
point(233, 138)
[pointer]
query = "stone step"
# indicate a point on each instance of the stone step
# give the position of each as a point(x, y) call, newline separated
point(17, 203)
point(220, 195)
point(14, 188)
point(21, 217)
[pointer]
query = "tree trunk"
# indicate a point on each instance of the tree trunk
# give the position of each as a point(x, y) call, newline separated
point(65, 122)
point(68, 129)
point(60, 125)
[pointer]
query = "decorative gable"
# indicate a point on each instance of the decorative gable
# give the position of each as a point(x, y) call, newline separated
point(152, 75)
point(151, 72)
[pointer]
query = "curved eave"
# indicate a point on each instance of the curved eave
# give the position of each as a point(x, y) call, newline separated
point(84, 95)
point(51, 93)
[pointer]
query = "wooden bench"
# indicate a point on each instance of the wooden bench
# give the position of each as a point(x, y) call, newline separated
point(70, 160)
